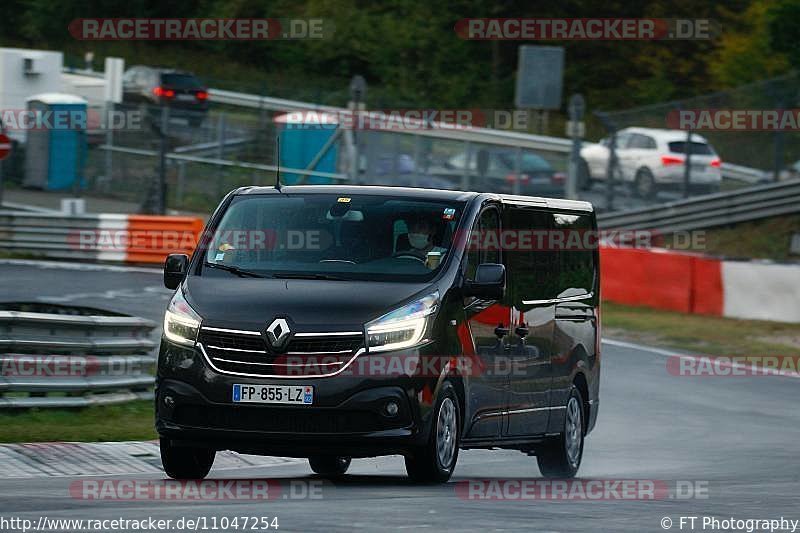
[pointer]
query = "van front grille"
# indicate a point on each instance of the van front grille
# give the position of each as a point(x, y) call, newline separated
point(244, 352)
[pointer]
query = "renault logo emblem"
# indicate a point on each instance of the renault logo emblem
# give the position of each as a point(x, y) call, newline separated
point(278, 333)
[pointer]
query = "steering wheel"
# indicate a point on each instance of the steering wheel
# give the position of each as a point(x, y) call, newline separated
point(337, 261)
point(405, 255)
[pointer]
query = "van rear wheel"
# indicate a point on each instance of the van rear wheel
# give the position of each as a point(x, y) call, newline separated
point(435, 462)
point(329, 465)
point(562, 457)
point(185, 462)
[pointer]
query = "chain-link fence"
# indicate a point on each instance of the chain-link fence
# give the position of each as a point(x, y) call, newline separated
point(199, 157)
point(733, 145)
point(168, 157)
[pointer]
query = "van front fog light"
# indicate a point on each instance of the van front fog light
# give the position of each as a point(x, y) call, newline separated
point(392, 409)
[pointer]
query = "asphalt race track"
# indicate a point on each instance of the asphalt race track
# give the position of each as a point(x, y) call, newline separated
point(735, 437)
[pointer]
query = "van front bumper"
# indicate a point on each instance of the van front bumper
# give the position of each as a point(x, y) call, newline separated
point(194, 407)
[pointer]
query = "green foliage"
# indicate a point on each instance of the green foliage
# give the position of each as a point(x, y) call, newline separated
point(410, 55)
point(784, 33)
point(747, 51)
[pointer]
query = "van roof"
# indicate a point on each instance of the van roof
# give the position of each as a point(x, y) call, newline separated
point(437, 194)
point(416, 192)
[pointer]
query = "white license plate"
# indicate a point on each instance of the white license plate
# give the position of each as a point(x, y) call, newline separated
point(283, 394)
point(185, 97)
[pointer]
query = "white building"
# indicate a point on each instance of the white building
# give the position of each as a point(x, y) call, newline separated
point(27, 72)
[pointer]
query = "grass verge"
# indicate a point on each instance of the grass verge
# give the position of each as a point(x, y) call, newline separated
point(698, 334)
point(130, 421)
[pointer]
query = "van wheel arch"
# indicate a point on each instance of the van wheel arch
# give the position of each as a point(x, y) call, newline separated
point(580, 382)
point(457, 383)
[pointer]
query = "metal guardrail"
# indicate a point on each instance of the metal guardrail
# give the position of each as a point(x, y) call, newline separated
point(741, 205)
point(108, 237)
point(746, 174)
point(54, 234)
point(73, 357)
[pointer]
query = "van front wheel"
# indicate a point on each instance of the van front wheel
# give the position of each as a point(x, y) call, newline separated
point(185, 462)
point(562, 457)
point(329, 465)
point(435, 462)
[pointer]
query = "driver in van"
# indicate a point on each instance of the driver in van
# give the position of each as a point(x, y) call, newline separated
point(421, 235)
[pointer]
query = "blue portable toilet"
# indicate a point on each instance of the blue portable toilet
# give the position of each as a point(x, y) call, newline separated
point(55, 148)
point(303, 134)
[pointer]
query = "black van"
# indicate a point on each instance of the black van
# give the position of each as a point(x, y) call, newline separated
point(334, 322)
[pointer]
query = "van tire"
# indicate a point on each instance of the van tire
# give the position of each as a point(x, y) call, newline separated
point(329, 465)
point(185, 462)
point(425, 465)
point(561, 458)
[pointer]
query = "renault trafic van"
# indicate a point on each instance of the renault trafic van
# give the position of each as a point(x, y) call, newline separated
point(340, 322)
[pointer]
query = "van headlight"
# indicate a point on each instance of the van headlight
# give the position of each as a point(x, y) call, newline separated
point(181, 322)
point(404, 327)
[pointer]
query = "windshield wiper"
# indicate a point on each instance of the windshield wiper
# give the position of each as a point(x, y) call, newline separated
point(234, 270)
point(309, 275)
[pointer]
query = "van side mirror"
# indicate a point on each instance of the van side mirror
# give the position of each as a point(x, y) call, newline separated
point(489, 282)
point(175, 268)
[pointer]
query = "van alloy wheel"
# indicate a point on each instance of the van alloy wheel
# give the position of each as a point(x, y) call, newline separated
point(446, 428)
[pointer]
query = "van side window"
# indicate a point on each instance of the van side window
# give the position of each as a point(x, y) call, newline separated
point(577, 268)
point(483, 244)
point(531, 260)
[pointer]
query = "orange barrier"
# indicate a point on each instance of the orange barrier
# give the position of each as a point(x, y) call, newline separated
point(662, 279)
point(152, 238)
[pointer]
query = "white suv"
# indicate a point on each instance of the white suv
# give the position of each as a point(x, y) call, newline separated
point(651, 159)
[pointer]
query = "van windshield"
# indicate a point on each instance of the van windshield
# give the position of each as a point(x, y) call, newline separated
point(329, 236)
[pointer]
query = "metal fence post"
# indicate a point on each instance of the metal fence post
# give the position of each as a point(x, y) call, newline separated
point(687, 168)
point(109, 161)
point(577, 105)
point(517, 170)
point(612, 170)
point(779, 144)
point(415, 170)
point(465, 176)
point(220, 151)
point(181, 183)
point(1, 183)
point(162, 163)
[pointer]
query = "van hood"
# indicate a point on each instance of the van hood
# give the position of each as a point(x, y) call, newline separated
point(313, 305)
